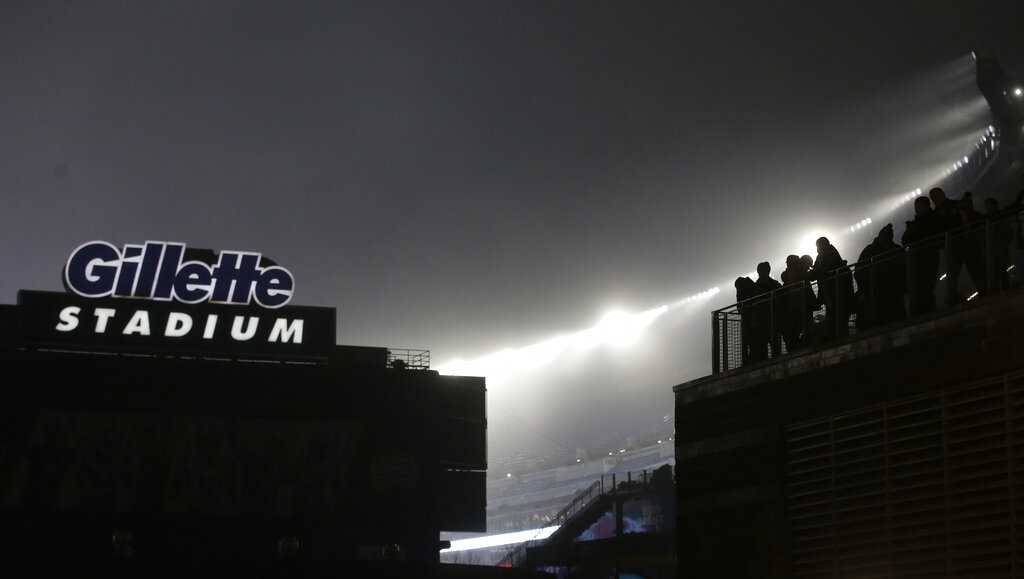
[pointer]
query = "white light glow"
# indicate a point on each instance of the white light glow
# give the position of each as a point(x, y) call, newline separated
point(488, 541)
point(1018, 92)
point(618, 328)
point(807, 245)
point(615, 329)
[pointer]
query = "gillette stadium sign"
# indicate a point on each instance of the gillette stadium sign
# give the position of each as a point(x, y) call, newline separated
point(155, 270)
point(164, 297)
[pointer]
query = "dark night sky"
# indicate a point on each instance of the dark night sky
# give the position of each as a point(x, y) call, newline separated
point(460, 176)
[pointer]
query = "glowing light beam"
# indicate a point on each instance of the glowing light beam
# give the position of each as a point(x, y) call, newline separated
point(615, 329)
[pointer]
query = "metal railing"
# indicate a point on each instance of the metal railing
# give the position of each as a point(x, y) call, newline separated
point(609, 484)
point(937, 272)
point(408, 359)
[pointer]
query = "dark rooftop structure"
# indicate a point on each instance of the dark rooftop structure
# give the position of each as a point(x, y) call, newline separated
point(145, 458)
point(894, 453)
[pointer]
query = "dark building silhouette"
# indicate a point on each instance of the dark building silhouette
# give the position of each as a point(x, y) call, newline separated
point(145, 459)
point(891, 454)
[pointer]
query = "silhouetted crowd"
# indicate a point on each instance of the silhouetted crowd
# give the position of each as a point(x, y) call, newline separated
point(888, 282)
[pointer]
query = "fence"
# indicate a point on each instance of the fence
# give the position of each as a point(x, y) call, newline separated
point(408, 359)
point(905, 282)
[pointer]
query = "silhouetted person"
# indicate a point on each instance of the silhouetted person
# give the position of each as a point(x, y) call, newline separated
point(768, 309)
point(922, 256)
point(811, 298)
point(944, 208)
point(744, 291)
point(808, 264)
point(835, 287)
point(795, 311)
point(881, 281)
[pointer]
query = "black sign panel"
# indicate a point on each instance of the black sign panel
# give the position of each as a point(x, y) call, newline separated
point(59, 320)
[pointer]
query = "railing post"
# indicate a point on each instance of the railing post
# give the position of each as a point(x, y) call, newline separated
point(873, 293)
point(989, 258)
point(724, 333)
point(716, 366)
point(910, 281)
point(804, 327)
point(771, 325)
point(951, 276)
point(835, 303)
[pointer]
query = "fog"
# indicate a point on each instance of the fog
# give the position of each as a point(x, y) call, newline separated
point(476, 177)
point(563, 394)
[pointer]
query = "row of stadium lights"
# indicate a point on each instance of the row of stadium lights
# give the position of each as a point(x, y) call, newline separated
point(699, 296)
point(612, 322)
point(860, 224)
point(985, 138)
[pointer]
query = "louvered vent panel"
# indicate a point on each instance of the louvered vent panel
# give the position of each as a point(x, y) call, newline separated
point(929, 486)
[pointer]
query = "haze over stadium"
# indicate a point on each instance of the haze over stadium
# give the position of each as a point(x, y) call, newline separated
point(531, 190)
point(932, 135)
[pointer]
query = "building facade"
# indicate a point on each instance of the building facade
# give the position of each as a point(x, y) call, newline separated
point(153, 434)
point(894, 453)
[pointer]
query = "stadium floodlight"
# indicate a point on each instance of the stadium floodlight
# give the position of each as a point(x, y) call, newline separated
point(972, 296)
point(965, 159)
point(1018, 92)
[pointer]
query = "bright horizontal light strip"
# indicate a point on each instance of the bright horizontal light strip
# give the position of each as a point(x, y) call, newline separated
point(619, 328)
point(488, 541)
point(616, 329)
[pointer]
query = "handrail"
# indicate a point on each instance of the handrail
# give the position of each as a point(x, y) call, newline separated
point(895, 285)
point(580, 502)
